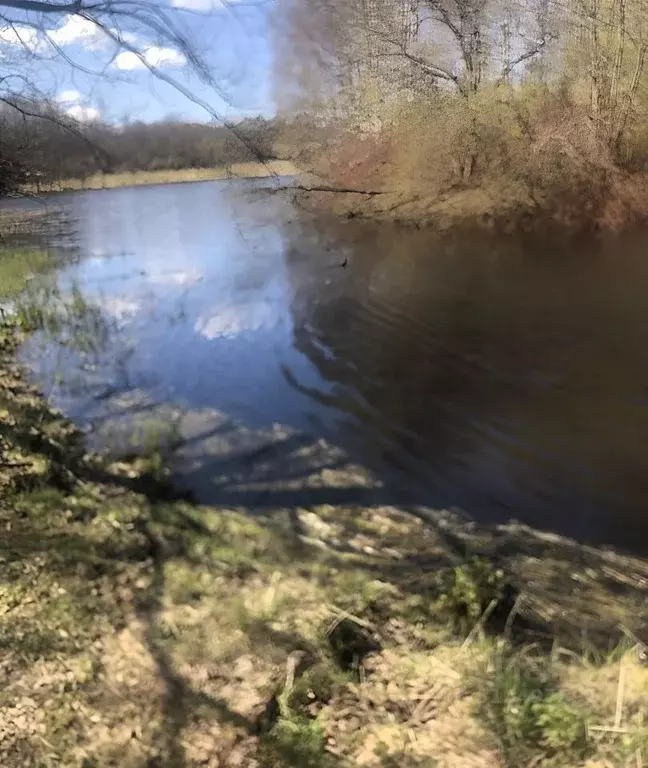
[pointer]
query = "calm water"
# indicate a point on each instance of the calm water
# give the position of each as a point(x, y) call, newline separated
point(505, 378)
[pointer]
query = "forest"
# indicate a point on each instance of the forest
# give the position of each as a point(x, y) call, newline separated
point(538, 105)
point(50, 146)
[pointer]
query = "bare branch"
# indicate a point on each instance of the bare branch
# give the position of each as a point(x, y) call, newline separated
point(42, 7)
point(433, 69)
point(524, 57)
point(189, 95)
point(14, 103)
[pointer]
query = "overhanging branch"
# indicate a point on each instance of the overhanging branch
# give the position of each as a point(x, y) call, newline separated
point(42, 7)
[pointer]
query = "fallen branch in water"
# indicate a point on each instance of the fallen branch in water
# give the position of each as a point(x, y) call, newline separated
point(339, 190)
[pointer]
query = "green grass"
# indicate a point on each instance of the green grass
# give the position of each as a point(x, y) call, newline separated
point(18, 266)
point(521, 702)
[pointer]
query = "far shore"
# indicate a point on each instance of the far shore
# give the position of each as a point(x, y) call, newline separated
point(251, 170)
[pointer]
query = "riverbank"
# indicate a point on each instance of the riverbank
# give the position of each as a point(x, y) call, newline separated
point(502, 207)
point(252, 170)
point(507, 164)
point(141, 629)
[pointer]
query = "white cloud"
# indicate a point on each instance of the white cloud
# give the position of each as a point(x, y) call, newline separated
point(78, 30)
point(83, 114)
point(19, 35)
point(69, 97)
point(74, 105)
point(154, 57)
point(127, 37)
point(128, 60)
point(75, 30)
point(164, 57)
point(121, 308)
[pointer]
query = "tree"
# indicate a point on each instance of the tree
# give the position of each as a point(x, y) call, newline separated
point(132, 34)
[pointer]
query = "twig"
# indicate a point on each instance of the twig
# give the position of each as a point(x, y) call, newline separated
point(618, 715)
point(480, 623)
point(631, 635)
point(638, 755)
point(608, 729)
point(341, 614)
point(511, 617)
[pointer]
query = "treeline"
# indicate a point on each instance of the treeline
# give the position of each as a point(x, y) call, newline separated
point(49, 147)
point(535, 100)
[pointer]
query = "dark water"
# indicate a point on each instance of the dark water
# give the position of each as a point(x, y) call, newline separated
point(505, 378)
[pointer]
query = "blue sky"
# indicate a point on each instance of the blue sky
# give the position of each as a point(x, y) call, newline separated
point(234, 40)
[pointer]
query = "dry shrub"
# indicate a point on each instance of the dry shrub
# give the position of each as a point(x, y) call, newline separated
point(527, 151)
point(534, 141)
point(437, 139)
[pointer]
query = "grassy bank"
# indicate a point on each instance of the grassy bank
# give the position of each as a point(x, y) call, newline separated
point(138, 629)
point(253, 170)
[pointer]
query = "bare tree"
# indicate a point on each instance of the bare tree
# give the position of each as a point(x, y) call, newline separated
point(129, 33)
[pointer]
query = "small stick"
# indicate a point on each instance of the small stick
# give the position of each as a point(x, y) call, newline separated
point(618, 715)
point(511, 617)
point(631, 635)
point(342, 614)
point(480, 623)
point(608, 729)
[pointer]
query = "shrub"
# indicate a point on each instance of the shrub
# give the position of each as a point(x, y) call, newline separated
point(466, 592)
point(528, 715)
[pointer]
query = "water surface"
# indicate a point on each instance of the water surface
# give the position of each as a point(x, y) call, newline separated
point(505, 378)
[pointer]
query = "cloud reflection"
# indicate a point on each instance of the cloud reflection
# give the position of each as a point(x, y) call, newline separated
point(228, 322)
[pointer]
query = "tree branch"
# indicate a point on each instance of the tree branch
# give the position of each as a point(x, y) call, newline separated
point(527, 55)
point(155, 71)
point(26, 112)
point(42, 7)
point(433, 69)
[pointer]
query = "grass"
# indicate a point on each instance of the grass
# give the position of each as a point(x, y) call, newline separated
point(250, 170)
point(18, 266)
point(139, 629)
point(521, 702)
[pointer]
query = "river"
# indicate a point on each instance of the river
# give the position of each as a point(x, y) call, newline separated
point(311, 361)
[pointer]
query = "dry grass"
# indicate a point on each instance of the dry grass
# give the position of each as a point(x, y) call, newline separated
point(252, 170)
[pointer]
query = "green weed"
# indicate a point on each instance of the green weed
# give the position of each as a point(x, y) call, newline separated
point(466, 592)
point(295, 741)
point(18, 266)
point(528, 715)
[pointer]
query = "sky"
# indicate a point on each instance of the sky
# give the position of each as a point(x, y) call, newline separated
point(232, 36)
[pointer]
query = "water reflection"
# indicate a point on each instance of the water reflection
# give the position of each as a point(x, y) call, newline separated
point(509, 377)
point(506, 378)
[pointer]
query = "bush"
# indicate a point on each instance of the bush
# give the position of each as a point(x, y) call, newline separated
point(466, 592)
point(296, 740)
